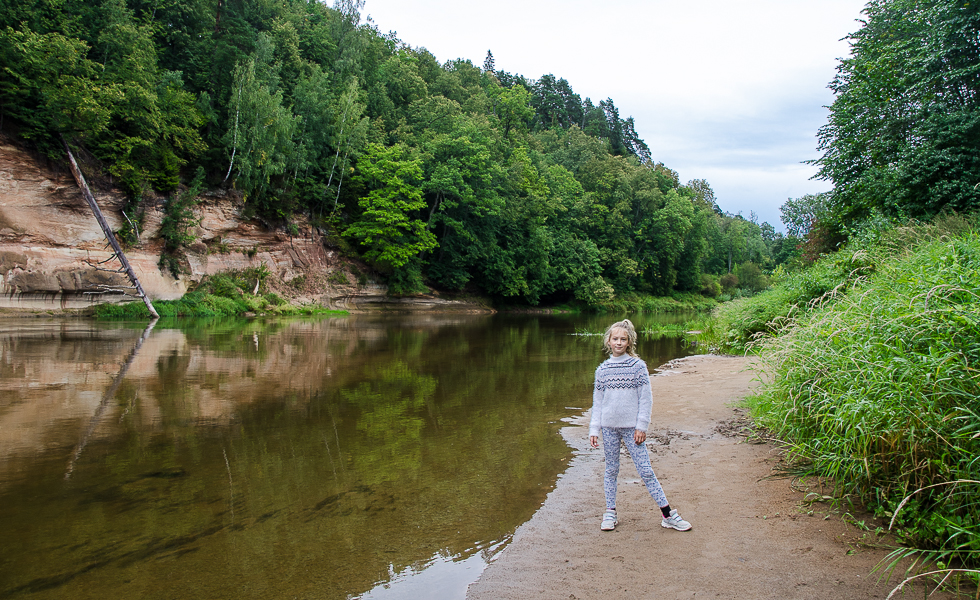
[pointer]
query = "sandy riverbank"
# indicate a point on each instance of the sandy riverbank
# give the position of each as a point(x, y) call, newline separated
point(752, 537)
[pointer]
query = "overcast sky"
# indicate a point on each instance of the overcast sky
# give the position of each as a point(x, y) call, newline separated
point(731, 91)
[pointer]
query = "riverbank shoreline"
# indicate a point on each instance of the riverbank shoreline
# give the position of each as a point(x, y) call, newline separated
point(753, 536)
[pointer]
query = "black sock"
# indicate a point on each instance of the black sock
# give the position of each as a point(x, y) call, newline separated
point(666, 511)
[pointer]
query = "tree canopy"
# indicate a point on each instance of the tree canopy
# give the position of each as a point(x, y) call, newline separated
point(903, 135)
point(449, 175)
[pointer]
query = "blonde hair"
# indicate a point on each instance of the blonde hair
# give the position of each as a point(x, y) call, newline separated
point(627, 326)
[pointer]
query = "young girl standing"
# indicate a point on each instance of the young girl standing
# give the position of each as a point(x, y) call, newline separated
point(621, 406)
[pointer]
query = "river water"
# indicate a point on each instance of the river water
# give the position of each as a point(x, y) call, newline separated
point(353, 457)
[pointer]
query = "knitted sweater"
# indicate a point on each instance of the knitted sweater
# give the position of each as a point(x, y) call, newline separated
point(622, 395)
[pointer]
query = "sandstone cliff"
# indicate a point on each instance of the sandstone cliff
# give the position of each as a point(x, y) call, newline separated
point(51, 244)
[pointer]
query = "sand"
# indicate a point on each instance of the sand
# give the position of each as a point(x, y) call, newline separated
point(754, 536)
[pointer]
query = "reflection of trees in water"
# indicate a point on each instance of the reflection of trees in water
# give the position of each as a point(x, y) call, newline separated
point(361, 446)
point(391, 417)
point(429, 466)
point(436, 441)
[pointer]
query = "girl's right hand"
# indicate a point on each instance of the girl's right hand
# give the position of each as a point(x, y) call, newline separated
point(594, 441)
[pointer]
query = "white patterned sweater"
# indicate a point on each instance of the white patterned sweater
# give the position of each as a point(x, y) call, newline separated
point(622, 395)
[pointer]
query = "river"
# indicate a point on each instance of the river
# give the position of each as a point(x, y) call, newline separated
point(383, 457)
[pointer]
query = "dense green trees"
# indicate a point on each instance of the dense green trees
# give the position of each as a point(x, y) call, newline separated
point(903, 137)
point(386, 225)
point(442, 174)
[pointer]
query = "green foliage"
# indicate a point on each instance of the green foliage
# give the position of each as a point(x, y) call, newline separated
point(751, 277)
point(772, 310)
point(513, 107)
point(802, 214)
point(710, 285)
point(178, 218)
point(796, 294)
point(641, 303)
point(904, 130)
point(49, 85)
point(261, 131)
point(388, 225)
point(128, 111)
point(729, 282)
point(664, 330)
point(338, 277)
point(440, 175)
point(406, 281)
point(878, 391)
point(223, 295)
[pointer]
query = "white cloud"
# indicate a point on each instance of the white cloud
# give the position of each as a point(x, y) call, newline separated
point(725, 90)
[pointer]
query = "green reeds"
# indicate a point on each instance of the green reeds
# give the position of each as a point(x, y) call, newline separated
point(664, 330)
point(632, 302)
point(879, 390)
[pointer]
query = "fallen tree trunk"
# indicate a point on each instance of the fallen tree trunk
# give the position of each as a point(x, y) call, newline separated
point(116, 248)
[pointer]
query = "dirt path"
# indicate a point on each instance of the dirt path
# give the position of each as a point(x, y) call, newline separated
point(752, 537)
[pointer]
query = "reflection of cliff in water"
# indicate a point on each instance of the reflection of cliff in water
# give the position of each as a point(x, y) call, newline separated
point(252, 459)
point(53, 374)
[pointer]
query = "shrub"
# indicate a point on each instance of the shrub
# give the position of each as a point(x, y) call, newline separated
point(338, 277)
point(710, 286)
point(274, 299)
point(178, 218)
point(406, 280)
point(751, 277)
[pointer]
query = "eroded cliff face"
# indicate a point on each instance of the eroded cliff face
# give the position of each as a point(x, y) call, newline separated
point(48, 238)
point(51, 244)
point(51, 247)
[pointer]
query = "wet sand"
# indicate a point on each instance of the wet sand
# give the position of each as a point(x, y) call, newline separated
point(753, 536)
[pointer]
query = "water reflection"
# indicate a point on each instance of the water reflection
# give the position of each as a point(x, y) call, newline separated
point(232, 459)
point(107, 397)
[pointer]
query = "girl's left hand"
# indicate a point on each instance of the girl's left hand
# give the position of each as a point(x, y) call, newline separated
point(639, 437)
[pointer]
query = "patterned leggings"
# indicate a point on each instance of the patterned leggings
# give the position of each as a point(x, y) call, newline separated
point(611, 439)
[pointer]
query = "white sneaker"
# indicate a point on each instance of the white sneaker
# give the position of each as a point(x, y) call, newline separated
point(674, 521)
point(609, 521)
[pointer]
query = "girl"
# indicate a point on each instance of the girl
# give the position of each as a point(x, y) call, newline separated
point(621, 405)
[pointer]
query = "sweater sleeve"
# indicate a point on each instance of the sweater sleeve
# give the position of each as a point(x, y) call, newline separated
point(645, 404)
point(596, 421)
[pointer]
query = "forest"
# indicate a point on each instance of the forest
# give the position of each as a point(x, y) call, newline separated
point(454, 176)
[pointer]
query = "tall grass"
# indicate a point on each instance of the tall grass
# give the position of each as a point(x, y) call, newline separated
point(739, 322)
point(632, 302)
point(658, 331)
point(878, 388)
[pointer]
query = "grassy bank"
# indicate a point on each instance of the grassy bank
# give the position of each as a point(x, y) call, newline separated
point(873, 383)
point(626, 304)
point(641, 303)
point(228, 294)
point(736, 324)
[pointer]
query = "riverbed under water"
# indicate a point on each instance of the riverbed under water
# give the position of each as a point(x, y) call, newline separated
point(383, 457)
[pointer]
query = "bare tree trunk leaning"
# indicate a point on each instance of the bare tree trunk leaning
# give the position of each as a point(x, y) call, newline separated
point(127, 268)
